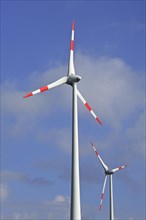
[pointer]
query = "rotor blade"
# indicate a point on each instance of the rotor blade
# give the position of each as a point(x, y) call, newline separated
point(102, 195)
point(50, 86)
point(71, 69)
point(88, 107)
point(119, 168)
point(105, 167)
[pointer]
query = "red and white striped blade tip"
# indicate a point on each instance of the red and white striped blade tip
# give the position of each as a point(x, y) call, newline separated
point(97, 119)
point(121, 167)
point(73, 25)
point(42, 89)
point(28, 95)
point(91, 143)
point(101, 201)
point(100, 207)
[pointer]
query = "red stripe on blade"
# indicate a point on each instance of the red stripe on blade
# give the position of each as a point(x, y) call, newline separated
point(88, 106)
point(44, 88)
point(28, 95)
point(97, 119)
point(73, 25)
point(102, 195)
point(72, 45)
point(96, 153)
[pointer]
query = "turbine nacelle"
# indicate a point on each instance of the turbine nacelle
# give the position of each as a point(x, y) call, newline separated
point(73, 79)
point(109, 172)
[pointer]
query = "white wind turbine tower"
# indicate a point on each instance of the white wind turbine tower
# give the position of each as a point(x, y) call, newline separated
point(72, 79)
point(110, 173)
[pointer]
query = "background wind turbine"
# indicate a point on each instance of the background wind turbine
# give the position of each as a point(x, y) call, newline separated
point(110, 173)
point(72, 79)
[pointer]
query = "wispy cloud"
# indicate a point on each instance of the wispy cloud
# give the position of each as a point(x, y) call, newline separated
point(132, 25)
point(56, 208)
point(136, 135)
point(63, 139)
point(39, 181)
point(8, 176)
point(115, 86)
point(117, 96)
point(117, 89)
point(4, 191)
point(24, 216)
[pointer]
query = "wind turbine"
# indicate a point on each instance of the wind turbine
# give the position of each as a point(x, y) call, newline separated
point(72, 79)
point(110, 173)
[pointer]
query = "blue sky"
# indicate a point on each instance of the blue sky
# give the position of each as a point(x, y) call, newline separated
point(36, 132)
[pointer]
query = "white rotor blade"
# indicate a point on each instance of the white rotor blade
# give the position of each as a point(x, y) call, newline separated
point(71, 69)
point(102, 195)
point(119, 168)
point(105, 167)
point(88, 107)
point(50, 86)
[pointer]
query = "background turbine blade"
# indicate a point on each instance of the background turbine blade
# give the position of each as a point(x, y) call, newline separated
point(102, 195)
point(88, 107)
point(119, 168)
point(101, 161)
point(50, 86)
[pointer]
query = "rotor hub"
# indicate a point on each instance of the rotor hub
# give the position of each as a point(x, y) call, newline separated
point(73, 79)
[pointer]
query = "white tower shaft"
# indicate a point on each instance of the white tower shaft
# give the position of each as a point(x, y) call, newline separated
point(75, 184)
point(111, 198)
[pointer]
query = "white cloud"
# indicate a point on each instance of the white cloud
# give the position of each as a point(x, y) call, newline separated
point(58, 208)
point(59, 199)
point(4, 191)
point(115, 90)
point(14, 104)
point(8, 176)
point(63, 139)
point(33, 108)
point(116, 93)
point(136, 135)
point(24, 216)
